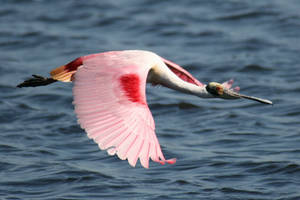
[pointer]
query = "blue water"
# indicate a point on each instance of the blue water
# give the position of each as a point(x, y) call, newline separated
point(225, 149)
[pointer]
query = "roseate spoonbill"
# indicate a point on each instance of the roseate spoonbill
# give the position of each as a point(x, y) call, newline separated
point(110, 99)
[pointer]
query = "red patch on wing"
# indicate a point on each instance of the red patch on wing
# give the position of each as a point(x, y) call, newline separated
point(182, 73)
point(72, 66)
point(131, 85)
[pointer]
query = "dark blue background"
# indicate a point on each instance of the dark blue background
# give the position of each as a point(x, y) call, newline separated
point(225, 149)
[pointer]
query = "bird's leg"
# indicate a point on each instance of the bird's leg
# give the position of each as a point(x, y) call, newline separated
point(36, 81)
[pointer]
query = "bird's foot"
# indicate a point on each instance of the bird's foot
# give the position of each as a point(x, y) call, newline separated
point(37, 80)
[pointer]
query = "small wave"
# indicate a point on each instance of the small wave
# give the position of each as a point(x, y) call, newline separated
point(181, 105)
point(254, 68)
point(247, 15)
point(7, 149)
point(6, 12)
point(11, 43)
point(266, 168)
point(31, 34)
point(230, 190)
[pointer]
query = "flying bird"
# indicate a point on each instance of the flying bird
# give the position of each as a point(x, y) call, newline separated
point(110, 98)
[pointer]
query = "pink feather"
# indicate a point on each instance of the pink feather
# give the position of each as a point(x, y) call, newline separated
point(110, 103)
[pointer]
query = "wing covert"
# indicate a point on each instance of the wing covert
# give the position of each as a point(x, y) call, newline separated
point(111, 106)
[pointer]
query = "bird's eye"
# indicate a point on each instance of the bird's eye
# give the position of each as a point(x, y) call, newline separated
point(215, 88)
point(219, 90)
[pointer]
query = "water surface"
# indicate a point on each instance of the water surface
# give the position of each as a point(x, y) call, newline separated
point(225, 149)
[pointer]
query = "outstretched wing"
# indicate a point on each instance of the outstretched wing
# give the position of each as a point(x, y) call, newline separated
point(111, 106)
point(182, 73)
point(186, 76)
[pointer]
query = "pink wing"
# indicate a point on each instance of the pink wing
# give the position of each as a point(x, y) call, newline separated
point(111, 106)
point(186, 76)
point(182, 73)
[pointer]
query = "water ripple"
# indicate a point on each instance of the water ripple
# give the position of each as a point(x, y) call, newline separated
point(248, 15)
point(255, 68)
point(224, 149)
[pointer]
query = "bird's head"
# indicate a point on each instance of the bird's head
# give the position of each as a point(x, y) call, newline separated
point(215, 89)
point(224, 91)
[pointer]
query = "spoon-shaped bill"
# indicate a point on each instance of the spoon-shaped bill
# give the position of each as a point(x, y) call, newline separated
point(265, 101)
point(232, 94)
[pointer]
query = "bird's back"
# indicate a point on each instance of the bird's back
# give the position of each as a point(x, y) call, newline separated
point(118, 61)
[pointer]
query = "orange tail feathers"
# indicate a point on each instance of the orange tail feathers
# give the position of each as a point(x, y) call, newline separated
point(64, 73)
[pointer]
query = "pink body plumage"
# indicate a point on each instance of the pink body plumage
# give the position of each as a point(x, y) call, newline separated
point(110, 99)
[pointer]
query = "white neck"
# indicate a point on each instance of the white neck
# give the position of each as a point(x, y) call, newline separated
point(163, 75)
